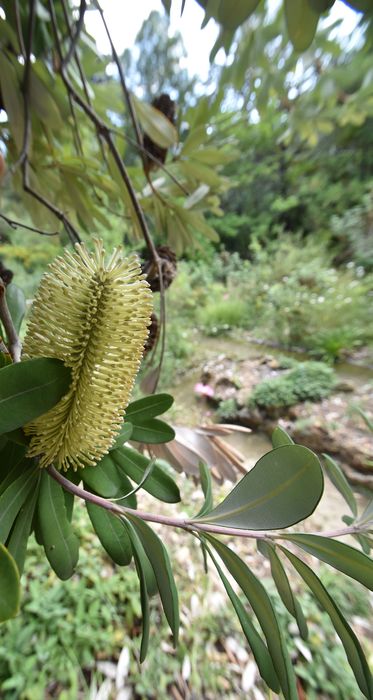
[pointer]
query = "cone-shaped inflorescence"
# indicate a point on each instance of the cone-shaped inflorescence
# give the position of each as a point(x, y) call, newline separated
point(92, 314)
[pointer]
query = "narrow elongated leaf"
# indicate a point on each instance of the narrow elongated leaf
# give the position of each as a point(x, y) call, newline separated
point(142, 562)
point(16, 304)
point(108, 481)
point(12, 500)
point(206, 483)
point(30, 388)
point(321, 6)
point(152, 431)
point(301, 20)
point(283, 488)
point(12, 464)
point(341, 556)
point(104, 478)
point(259, 649)
point(286, 594)
point(158, 484)
point(9, 586)
point(18, 539)
point(155, 124)
point(18, 436)
point(60, 543)
point(263, 609)
point(367, 514)
point(338, 479)
point(280, 437)
point(148, 407)
point(112, 534)
point(159, 559)
point(11, 93)
point(348, 638)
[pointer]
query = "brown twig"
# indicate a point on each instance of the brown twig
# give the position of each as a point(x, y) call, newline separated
point(153, 158)
point(122, 80)
point(104, 130)
point(19, 28)
point(14, 345)
point(76, 35)
point(18, 224)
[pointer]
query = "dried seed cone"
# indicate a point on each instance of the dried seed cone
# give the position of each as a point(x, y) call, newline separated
point(93, 315)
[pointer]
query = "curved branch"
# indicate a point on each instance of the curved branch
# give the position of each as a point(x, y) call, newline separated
point(18, 224)
point(190, 525)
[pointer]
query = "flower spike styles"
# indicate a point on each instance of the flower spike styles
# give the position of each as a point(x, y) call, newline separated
point(93, 315)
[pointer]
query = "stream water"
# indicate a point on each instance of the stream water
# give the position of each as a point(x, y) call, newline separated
point(190, 410)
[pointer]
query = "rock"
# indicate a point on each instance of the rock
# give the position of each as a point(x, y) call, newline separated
point(344, 386)
point(327, 426)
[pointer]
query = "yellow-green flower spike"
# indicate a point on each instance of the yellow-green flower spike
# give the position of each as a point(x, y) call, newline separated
point(93, 315)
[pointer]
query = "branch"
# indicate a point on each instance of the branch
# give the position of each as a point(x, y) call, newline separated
point(19, 28)
point(185, 524)
point(155, 160)
point(23, 159)
point(122, 80)
point(18, 224)
point(105, 131)
point(14, 345)
point(75, 37)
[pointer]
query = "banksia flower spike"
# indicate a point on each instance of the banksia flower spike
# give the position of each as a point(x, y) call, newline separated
point(93, 315)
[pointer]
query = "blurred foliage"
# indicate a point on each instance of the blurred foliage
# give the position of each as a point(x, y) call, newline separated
point(289, 293)
point(155, 63)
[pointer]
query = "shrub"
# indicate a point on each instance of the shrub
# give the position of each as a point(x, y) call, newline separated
point(227, 409)
point(222, 315)
point(307, 381)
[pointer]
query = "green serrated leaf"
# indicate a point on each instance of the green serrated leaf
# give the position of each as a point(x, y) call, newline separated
point(348, 638)
point(341, 556)
point(158, 484)
point(61, 545)
point(263, 609)
point(9, 586)
point(159, 559)
point(112, 534)
point(30, 388)
point(283, 488)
